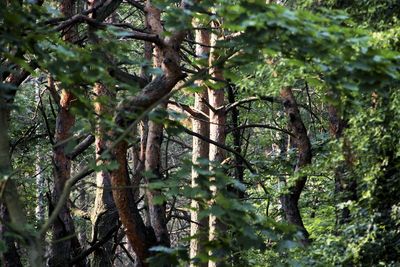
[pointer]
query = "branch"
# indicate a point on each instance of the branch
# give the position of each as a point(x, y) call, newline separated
point(259, 126)
point(251, 99)
point(100, 243)
point(81, 147)
point(138, 35)
point(208, 140)
point(63, 198)
point(127, 78)
point(198, 114)
point(103, 9)
point(79, 18)
point(136, 4)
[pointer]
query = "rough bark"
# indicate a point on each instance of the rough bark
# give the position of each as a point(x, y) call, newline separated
point(63, 227)
point(140, 238)
point(153, 166)
point(217, 133)
point(65, 242)
point(199, 228)
point(104, 215)
point(290, 200)
point(157, 212)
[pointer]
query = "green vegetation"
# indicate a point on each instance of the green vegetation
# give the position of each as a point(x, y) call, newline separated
point(201, 133)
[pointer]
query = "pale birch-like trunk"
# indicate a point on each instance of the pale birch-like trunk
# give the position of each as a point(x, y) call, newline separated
point(199, 228)
point(40, 179)
point(217, 133)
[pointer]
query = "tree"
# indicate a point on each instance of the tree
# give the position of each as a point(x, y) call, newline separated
point(199, 133)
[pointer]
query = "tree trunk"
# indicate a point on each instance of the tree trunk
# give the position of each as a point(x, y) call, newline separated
point(40, 180)
point(217, 134)
point(199, 228)
point(153, 166)
point(104, 215)
point(237, 141)
point(140, 237)
point(65, 242)
point(290, 200)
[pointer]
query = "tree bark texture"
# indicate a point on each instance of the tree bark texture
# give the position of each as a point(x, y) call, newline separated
point(104, 215)
point(153, 167)
point(65, 242)
point(199, 228)
point(141, 238)
point(217, 155)
point(237, 141)
point(40, 179)
point(290, 200)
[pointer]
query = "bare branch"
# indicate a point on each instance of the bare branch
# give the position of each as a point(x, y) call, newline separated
point(259, 126)
point(81, 147)
point(204, 138)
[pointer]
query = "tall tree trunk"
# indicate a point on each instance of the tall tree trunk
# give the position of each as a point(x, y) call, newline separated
point(217, 133)
point(237, 141)
point(290, 200)
point(104, 214)
point(40, 180)
point(140, 237)
point(65, 242)
point(199, 228)
point(157, 212)
point(153, 167)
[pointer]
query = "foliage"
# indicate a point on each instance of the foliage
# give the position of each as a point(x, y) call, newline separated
point(332, 53)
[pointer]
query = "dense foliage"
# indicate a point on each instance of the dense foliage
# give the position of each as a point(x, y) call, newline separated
point(310, 108)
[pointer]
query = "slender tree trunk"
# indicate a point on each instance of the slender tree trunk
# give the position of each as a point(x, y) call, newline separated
point(237, 141)
point(153, 168)
point(199, 228)
point(217, 133)
point(290, 200)
point(65, 242)
point(40, 180)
